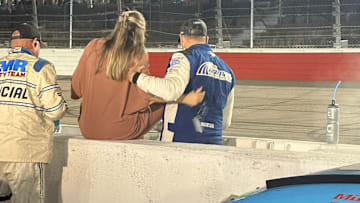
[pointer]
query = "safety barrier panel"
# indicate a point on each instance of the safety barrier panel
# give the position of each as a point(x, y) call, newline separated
point(86, 171)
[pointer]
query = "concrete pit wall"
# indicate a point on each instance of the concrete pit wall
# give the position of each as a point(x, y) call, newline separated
point(89, 171)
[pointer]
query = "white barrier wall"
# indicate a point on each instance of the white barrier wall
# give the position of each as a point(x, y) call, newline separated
point(86, 171)
point(66, 60)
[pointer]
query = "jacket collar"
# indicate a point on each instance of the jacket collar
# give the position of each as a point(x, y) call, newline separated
point(20, 50)
point(204, 46)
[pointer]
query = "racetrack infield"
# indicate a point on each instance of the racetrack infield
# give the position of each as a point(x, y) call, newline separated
point(278, 109)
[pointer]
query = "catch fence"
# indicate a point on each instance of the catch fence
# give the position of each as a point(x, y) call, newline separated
point(231, 23)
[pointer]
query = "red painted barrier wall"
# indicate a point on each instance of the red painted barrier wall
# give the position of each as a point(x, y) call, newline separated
point(280, 66)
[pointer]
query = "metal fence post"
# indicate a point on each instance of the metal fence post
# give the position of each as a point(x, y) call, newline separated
point(118, 2)
point(219, 27)
point(337, 25)
point(35, 15)
point(252, 24)
point(71, 15)
point(280, 12)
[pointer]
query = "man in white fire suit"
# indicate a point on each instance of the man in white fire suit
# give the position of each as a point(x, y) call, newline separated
point(30, 101)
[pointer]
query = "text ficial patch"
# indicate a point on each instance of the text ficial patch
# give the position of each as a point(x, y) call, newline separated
point(13, 92)
point(211, 70)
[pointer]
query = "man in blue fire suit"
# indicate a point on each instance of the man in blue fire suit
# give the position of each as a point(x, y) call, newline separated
point(196, 66)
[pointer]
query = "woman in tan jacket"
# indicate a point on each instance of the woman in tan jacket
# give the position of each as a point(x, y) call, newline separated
point(113, 108)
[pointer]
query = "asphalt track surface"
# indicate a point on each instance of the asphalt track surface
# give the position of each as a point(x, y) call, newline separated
point(278, 109)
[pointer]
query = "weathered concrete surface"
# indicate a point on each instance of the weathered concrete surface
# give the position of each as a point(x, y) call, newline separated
point(86, 171)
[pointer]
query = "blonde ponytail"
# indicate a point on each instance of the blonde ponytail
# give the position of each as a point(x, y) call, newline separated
point(124, 45)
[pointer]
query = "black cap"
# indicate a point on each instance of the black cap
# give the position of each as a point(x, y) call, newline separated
point(27, 31)
point(194, 27)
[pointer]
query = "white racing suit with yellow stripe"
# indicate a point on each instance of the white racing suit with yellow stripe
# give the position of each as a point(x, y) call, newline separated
point(30, 100)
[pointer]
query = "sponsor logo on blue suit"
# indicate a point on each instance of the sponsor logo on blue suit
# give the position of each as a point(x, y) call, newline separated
point(211, 70)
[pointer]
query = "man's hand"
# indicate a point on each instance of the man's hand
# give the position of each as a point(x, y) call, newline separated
point(193, 98)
